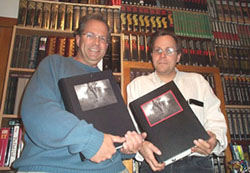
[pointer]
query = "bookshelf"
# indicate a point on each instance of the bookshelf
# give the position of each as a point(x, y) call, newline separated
point(213, 35)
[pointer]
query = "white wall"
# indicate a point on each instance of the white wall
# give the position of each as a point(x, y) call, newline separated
point(9, 8)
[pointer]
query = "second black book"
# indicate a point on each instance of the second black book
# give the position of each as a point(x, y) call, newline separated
point(170, 123)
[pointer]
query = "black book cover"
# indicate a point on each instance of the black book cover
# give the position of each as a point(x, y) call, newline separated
point(169, 121)
point(96, 98)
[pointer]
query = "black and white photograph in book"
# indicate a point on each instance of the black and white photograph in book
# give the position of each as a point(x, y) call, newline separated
point(161, 108)
point(95, 94)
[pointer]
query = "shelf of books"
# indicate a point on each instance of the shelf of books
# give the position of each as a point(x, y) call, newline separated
point(231, 29)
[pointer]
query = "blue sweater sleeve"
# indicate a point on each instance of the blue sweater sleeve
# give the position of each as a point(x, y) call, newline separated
point(46, 121)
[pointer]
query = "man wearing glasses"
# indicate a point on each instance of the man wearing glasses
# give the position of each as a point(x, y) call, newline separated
point(166, 53)
point(54, 137)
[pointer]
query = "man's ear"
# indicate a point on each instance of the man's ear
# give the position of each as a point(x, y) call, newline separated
point(178, 58)
point(78, 37)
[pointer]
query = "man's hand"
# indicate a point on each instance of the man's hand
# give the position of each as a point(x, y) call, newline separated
point(107, 149)
point(205, 147)
point(133, 142)
point(147, 151)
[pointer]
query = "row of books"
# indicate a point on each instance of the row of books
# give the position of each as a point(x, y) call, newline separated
point(198, 5)
point(230, 10)
point(16, 86)
point(233, 60)
point(195, 52)
point(231, 34)
point(241, 155)
point(29, 50)
point(96, 2)
point(238, 122)
point(11, 142)
point(198, 53)
point(141, 19)
point(192, 24)
point(135, 72)
point(236, 89)
point(60, 16)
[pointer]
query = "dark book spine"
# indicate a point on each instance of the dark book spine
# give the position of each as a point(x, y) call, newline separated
point(76, 16)
point(223, 81)
point(142, 53)
point(38, 19)
point(127, 55)
point(134, 47)
point(30, 13)
point(69, 18)
point(33, 52)
point(107, 59)
point(22, 13)
point(46, 15)
point(116, 66)
point(117, 21)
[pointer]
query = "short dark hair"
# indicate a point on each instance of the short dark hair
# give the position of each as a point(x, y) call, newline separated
point(94, 16)
point(162, 32)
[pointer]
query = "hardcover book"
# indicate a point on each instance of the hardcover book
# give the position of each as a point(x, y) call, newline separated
point(96, 98)
point(170, 123)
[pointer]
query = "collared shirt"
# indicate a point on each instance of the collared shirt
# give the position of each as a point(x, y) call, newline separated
point(192, 86)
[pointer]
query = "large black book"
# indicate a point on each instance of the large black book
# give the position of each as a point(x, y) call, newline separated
point(96, 98)
point(170, 123)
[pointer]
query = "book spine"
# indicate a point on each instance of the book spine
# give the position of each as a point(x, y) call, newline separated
point(116, 66)
point(13, 152)
point(76, 16)
point(30, 14)
point(142, 52)
point(54, 16)
point(117, 21)
point(135, 21)
point(4, 138)
point(38, 19)
point(46, 15)
point(33, 51)
point(22, 13)
point(230, 124)
point(69, 18)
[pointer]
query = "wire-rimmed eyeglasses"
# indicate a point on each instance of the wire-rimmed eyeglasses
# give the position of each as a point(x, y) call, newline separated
point(92, 37)
point(169, 51)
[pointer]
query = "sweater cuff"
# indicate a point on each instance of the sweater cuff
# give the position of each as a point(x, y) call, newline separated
point(95, 142)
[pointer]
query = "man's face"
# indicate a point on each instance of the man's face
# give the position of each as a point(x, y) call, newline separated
point(92, 43)
point(164, 55)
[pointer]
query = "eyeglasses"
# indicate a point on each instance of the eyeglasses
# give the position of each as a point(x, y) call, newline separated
point(169, 51)
point(92, 37)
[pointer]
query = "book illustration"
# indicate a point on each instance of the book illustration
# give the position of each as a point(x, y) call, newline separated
point(161, 108)
point(95, 94)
